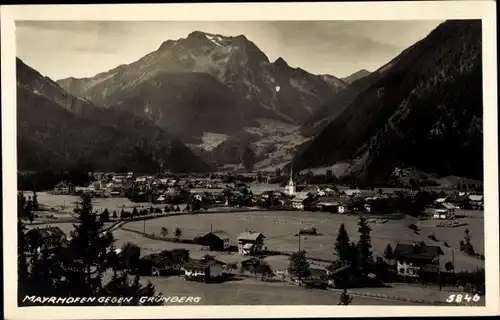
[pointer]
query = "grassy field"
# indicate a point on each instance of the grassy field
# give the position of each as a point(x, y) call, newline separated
point(66, 227)
point(254, 292)
point(279, 228)
point(67, 203)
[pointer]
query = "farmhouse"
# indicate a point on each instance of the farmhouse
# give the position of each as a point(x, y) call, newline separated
point(476, 201)
point(444, 210)
point(62, 188)
point(299, 202)
point(217, 240)
point(46, 238)
point(439, 200)
point(460, 201)
point(415, 258)
point(204, 270)
point(250, 243)
point(329, 204)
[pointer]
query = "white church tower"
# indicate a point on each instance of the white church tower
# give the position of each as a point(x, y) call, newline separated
point(290, 189)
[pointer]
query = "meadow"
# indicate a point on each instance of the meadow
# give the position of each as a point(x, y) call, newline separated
point(279, 228)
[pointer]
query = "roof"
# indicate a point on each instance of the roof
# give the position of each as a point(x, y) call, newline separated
point(448, 205)
point(417, 251)
point(199, 264)
point(476, 197)
point(62, 184)
point(49, 232)
point(334, 200)
point(459, 199)
point(252, 236)
point(220, 234)
point(339, 270)
point(440, 200)
point(248, 246)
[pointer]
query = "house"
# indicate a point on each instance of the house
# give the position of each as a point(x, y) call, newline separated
point(204, 270)
point(329, 204)
point(476, 201)
point(216, 240)
point(250, 243)
point(444, 210)
point(439, 200)
point(336, 277)
point(298, 202)
point(62, 188)
point(415, 258)
point(352, 192)
point(46, 238)
point(460, 201)
point(158, 264)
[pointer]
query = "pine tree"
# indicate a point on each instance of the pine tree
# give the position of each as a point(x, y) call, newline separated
point(364, 244)
point(134, 212)
point(342, 244)
point(88, 252)
point(389, 252)
point(354, 256)
point(299, 266)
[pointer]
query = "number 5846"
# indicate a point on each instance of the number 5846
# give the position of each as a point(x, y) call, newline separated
point(463, 298)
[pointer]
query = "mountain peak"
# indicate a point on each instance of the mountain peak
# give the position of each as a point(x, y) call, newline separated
point(280, 62)
point(196, 34)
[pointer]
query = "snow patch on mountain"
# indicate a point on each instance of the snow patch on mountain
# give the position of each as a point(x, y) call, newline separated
point(214, 39)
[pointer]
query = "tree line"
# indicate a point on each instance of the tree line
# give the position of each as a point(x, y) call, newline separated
point(87, 265)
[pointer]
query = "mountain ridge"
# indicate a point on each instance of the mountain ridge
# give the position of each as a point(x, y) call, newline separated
point(415, 106)
point(106, 139)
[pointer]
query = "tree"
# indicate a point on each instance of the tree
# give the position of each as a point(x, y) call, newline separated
point(345, 299)
point(177, 233)
point(342, 244)
point(467, 246)
point(151, 210)
point(115, 216)
point(89, 252)
point(354, 256)
point(22, 251)
point(130, 255)
point(364, 244)
point(121, 214)
point(299, 266)
point(35, 201)
point(134, 212)
point(329, 175)
point(248, 158)
point(104, 217)
point(164, 232)
point(389, 252)
point(449, 266)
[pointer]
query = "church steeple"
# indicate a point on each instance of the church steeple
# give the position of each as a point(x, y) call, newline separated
point(290, 188)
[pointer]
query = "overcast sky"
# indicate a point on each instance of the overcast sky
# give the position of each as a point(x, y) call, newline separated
point(83, 49)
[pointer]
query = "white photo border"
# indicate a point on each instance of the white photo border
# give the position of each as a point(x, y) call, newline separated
point(410, 10)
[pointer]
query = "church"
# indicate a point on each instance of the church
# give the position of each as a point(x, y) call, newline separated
point(291, 188)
